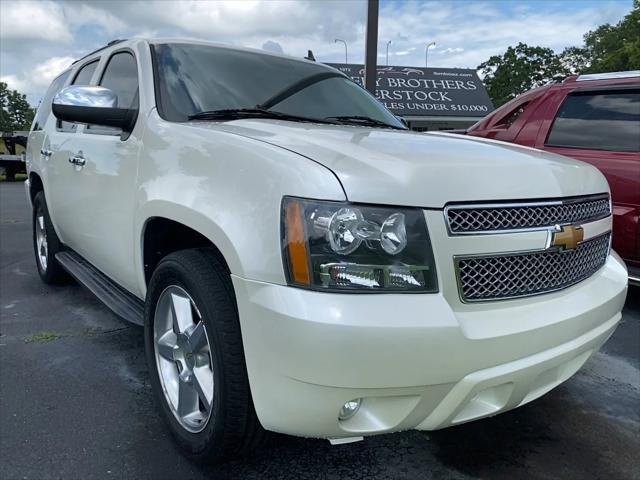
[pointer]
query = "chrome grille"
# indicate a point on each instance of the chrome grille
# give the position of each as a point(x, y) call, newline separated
point(520, 275)
point(471, 219)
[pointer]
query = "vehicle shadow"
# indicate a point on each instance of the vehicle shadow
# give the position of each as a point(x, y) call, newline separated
point(557, 436)
point(585, 428)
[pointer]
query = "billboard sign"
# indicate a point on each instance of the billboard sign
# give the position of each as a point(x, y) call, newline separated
point(426, 92)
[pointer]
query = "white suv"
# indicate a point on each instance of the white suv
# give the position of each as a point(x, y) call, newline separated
point(303, 263)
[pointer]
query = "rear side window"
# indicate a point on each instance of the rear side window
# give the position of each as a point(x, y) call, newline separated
point(83, 77)
point(44, 110)
point(511, 117)
point(121, 77)
point(598, 121)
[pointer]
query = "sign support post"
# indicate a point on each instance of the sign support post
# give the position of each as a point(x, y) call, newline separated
point(371, 49)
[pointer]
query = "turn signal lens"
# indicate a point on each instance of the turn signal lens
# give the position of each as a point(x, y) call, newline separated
point(296, 245)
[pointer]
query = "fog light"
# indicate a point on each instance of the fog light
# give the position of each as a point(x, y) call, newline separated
point(349, 409)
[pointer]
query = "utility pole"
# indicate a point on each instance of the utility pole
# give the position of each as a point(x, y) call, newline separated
point(388, 43)
point(371, 48)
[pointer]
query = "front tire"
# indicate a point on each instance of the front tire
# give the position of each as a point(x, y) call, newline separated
point(195, 357)
point(46, 243)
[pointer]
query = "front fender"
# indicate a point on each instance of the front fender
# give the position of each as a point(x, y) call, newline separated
point(227, 187)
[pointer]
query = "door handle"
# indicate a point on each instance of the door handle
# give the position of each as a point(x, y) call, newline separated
point(78, 160)
point(46, 153)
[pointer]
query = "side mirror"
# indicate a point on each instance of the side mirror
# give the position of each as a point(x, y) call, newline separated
point(94, 105)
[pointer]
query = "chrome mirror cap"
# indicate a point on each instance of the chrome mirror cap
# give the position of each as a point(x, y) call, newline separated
point(86, 96)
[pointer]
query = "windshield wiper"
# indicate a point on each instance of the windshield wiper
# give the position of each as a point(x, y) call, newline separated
point(298, 86)
point(239, 113)
point(363, 120)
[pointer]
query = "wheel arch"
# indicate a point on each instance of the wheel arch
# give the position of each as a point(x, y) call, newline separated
point(177, 228)
point(35, 185)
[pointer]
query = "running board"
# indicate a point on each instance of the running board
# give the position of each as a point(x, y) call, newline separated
point(123, 303)
point(634, 276)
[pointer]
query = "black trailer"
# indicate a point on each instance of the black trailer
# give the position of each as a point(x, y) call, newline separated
point(12, 153)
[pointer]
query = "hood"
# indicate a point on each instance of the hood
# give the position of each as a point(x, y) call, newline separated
point(425, 169)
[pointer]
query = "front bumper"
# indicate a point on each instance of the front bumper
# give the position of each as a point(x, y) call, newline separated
point(416, 361)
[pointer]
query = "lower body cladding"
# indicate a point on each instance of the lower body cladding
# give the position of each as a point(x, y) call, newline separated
point(412, 361)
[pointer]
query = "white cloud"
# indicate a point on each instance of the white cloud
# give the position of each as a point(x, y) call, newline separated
point(237, 20)
point(14, 83)
point(38, 38)
point(34, 82)
point(44, 73)
point(467, 33)
point(84, 15)
point(402, 53)
point(451, 50)
point(27, 21)
point(272, 46)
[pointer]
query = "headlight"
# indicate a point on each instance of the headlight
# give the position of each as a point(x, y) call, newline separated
point(344, 247)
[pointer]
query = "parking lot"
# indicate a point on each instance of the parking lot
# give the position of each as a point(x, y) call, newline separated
point(75, 402)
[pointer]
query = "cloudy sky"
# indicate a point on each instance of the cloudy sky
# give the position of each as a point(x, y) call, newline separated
point(39, 39)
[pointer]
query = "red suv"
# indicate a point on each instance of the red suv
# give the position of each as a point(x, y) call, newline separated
point(593, 118)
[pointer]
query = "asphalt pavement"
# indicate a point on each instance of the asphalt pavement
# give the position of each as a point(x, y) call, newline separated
point(76, 403)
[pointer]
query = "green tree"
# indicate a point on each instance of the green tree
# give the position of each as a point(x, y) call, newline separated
point(519, 69)
point(15, 111)
point(609, 48)
point(575, 59)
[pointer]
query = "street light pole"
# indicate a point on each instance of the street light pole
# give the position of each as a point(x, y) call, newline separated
point(346, 56)
point(388, 43)
point(426, 53)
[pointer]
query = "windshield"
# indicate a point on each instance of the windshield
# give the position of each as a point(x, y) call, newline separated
point(201, 78)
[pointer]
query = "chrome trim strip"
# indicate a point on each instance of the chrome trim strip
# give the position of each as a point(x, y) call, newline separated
point(608, 75)
point(458, 258)
point(569, 201)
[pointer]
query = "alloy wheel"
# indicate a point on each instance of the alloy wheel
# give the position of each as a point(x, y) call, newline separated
point(41, 240)
point(184, 359)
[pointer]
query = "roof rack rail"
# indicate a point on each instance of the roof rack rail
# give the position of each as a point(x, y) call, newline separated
point(608, 75)
point(110, 44)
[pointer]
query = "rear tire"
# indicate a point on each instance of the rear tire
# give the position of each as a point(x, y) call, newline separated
point(190, 292)
point(46, 244)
